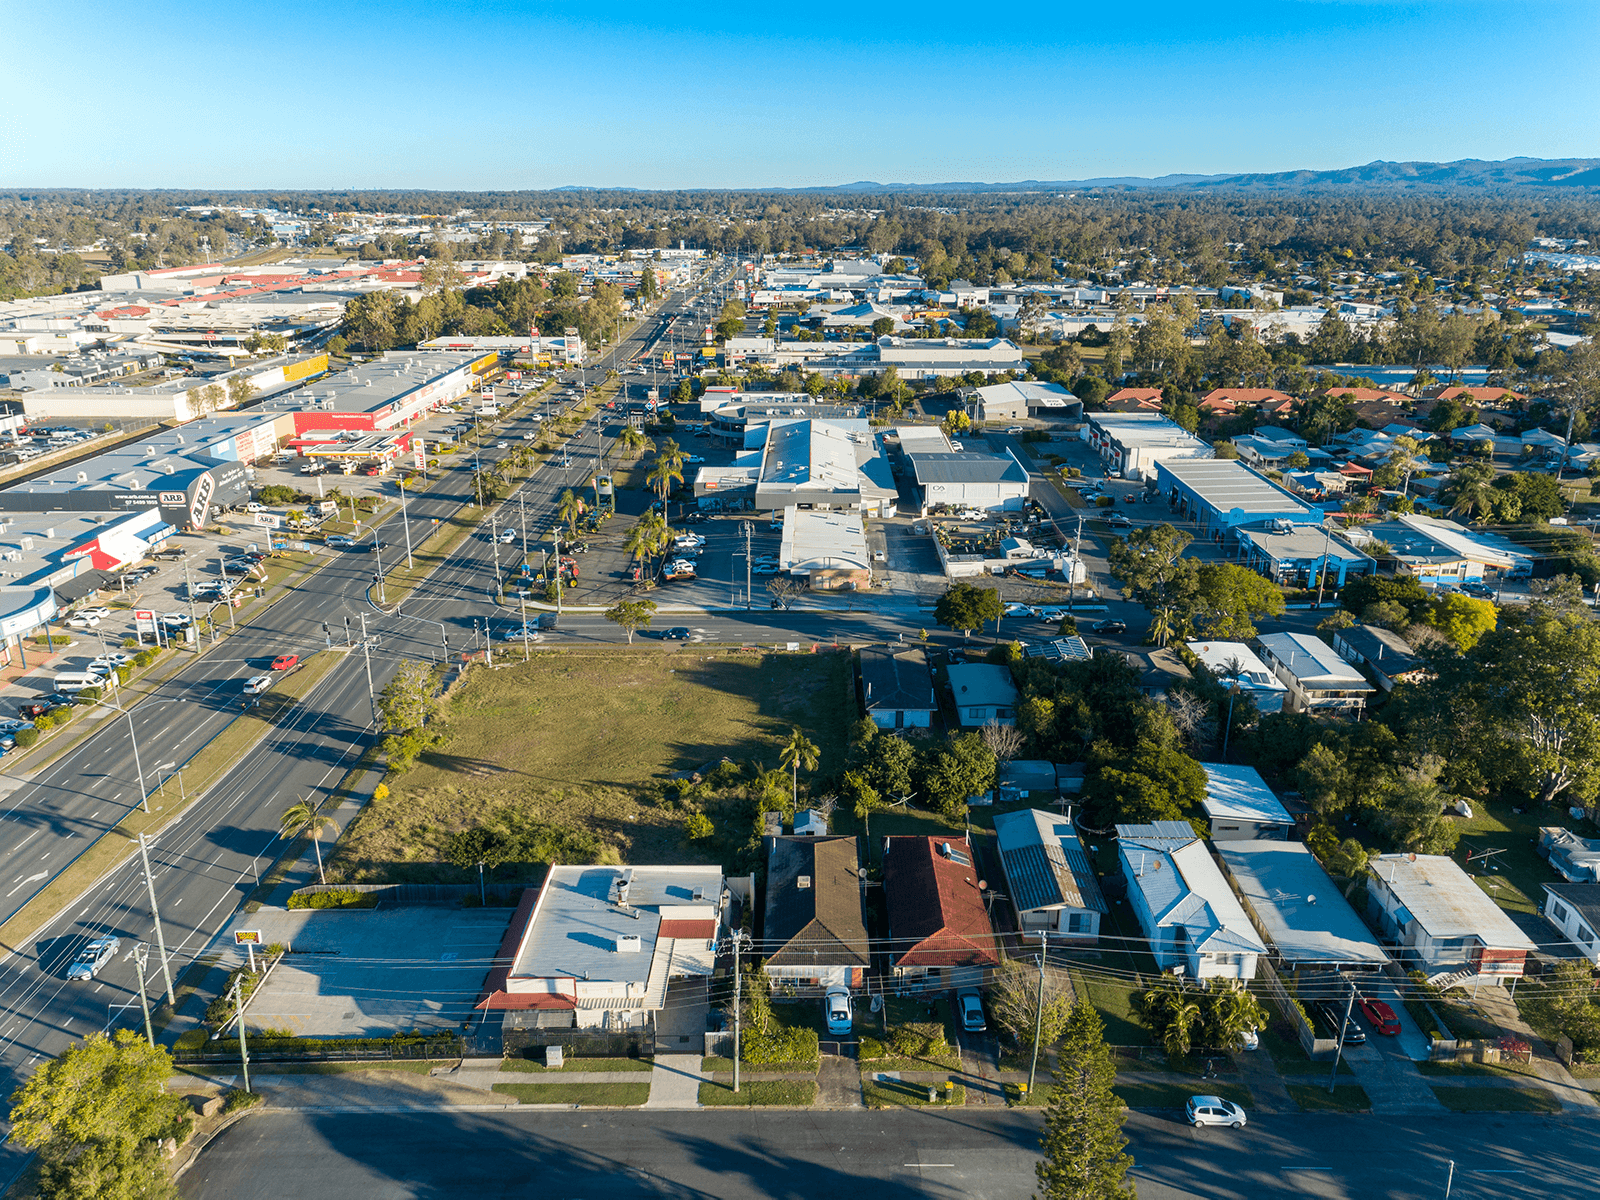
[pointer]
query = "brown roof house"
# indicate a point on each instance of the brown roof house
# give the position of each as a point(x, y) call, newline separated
point(815, 932)
point(939, 931)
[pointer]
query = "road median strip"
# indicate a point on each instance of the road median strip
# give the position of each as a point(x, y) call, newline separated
point(220, 754)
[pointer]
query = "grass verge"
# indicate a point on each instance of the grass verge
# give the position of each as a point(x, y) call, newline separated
point(789, 1068)
point(1141, 1093)
point(898, 1093)
point(209, 764)
point(434, 550)
point(794, 1093)
point(1346, 1097)
point(615, 1095)
point(1456, 1070)
point(409, 1066)
point(1471, 1099)
point(573, 1065)
point(933, 1062)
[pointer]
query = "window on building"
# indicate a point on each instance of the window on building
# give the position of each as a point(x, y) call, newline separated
point(1077, 922)
point(1557, 913)
point(1585, 935)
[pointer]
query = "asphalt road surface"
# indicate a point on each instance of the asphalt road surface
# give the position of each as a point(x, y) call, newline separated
point(204, 865)
point(890, 1154)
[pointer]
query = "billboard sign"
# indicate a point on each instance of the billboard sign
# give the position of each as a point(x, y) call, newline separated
point(247, 937)
point(268, 520)
point(418, 445)
point(144, 622)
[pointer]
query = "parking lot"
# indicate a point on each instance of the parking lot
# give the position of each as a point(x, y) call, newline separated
point(369, 972)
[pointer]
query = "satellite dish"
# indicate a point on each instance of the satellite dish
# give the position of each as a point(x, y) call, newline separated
point(862, 872)
point(1411, 858)
point(983, 885)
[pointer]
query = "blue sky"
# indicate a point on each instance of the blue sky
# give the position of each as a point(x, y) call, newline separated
point(511, 94)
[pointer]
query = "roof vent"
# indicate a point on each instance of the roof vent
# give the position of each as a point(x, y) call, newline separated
point(803, 882)
point(629, 943)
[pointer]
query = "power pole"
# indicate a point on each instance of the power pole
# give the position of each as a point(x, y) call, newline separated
point(194, 618)
point(1038, 1015)
point(238, 1014)
point(494, 547)
point(1338, 1049)
point(139, 953)
point(748, 529)
point(161, 941)
point(738, 939)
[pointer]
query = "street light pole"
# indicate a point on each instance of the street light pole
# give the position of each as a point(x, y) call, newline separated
point(1038, 1016)
point(155, 916)
point(139, 953)
point(404, 523)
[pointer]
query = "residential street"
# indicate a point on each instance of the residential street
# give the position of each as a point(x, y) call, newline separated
point(888, 1154)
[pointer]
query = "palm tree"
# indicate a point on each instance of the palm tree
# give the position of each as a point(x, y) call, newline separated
point(633, 441)
point(1470, 489)
point(304, 819)
point(569, 510)
point(648, 535)
point(1170, 1014)
point(667, 471)
point(1233, 1012)
point(799, 751)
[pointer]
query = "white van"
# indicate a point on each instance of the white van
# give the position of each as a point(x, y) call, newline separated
point(76, 681)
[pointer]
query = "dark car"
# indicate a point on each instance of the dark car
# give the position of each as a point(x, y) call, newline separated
point(676, 634)
point(1332, 1014)
point(1481, 591)
point(369, 547)
point(1109, 627)
point(33, 708)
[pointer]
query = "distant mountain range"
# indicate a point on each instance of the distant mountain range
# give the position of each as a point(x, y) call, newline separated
point(1466, 175)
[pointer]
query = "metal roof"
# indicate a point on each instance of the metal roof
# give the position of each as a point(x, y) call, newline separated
point(1301, 909)
point(1045, 863)
point(966, 466)
point(1446, 901)
point(1238, 793)
point(1227, 484)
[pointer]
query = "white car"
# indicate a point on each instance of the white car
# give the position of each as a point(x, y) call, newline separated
point(257, 684)
point(507, 537)
point(97, 611)
point(693, 458)
point(177, 620)
point(341, 541)
point(765, 569)
point(957, 446)
point(1013, 429)
point(1018, 610)
point(1250, 1039)
point(1214, 1110)
point(517, 633)
point(82, 621)
point(93, 957)
point(110, 661)
point(836, 1009)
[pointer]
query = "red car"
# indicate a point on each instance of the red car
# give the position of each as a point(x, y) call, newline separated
point(1380, 1015)
point(284, 661)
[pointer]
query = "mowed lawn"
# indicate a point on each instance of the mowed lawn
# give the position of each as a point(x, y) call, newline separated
point(579, 740)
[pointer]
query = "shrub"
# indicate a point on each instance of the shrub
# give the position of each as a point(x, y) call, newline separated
point(87, 696)
point(1104, 502)
point(871, 1048)
point(238, 1098)
point(59, 715)
point(26, 737)
point(43, 723)
point(333, 898)
point(917, 1040)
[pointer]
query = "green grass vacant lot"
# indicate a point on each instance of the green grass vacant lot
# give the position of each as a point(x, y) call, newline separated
point(613, 1094)
point(581, 740)
point(1116, 1003)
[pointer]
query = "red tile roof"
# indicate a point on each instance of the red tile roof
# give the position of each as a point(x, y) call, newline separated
point(1361, 393)
point(1243, 396)
point(936, 913)
point(689, 929)
point(1479, 395)
point(1143, 395)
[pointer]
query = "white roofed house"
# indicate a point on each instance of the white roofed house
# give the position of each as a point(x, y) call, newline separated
point(1185, 907)
point(599, 946)
point(1442, 920)
point(1048, 876)
point(1319, 681)
point(1235, 664)
point(1241, 807)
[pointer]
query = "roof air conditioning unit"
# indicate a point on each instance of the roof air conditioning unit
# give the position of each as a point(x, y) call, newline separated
point(803, 882)
point(629, 943)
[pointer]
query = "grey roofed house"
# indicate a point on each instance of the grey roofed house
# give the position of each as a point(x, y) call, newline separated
point(897, 686)
point(1307, 919)
point(983, 692)
point(1047, 872)
point(1240, 805)
point(967, 466)
point(1382, 651)
point(1575, 859)
point(814, 928)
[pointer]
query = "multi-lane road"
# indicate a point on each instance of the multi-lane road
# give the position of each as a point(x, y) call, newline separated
point(204, 864)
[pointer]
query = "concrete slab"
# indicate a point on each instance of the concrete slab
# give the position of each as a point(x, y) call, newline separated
point(369, 973)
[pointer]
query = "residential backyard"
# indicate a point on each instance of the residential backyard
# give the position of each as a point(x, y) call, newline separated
point(586, 755)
